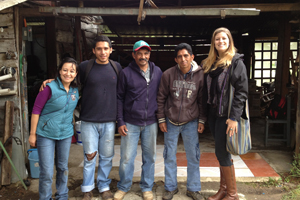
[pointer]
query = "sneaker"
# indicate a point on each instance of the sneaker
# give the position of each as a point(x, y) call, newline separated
point(87, 195)
point(148, 195)
point(168, 195)
point(107, 195)
point(195, 195)
point(119, 195)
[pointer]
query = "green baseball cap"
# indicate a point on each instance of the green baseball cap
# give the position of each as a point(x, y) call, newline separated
point(140, 44)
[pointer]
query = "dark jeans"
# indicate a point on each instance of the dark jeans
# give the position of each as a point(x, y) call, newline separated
point(218, 128)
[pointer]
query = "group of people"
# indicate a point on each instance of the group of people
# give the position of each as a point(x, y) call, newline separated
point(140, 98)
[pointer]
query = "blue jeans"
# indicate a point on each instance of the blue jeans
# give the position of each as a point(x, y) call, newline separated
point(47, 149)
point(189, 133)
point(128, 150)
point(99, 138)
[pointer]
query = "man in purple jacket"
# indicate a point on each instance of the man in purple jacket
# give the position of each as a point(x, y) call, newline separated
point(137, 90)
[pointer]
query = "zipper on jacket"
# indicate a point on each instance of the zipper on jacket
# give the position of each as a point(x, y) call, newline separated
point(45, 124)
point(181, 99)
point(147, 102)
point(66, 109)
point(147, 98)
point(220, 104)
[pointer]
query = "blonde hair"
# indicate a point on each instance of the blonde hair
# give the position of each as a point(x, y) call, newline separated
point(212, 59)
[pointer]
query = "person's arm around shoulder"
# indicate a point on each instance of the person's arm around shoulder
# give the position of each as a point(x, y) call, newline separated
point(162, 96)
point(45, 83)
point(121, 92)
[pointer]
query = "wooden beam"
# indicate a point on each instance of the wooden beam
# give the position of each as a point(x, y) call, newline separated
point(78, 38)
point(51, 47)
point(33, 12)
point(139, 19)
point(84, 44)
point(297, 146)
point(271, 7)
point(6, 19)
point(263, 7)
point(7, 45)
point(282, 69)
point(9, 3)
point(8, 132)
point(150, 12)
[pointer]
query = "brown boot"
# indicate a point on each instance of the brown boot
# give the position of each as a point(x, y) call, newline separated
point(222, 191)
point(229, 176)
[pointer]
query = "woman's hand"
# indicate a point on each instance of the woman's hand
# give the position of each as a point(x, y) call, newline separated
point(231, 127)
point(32, 140)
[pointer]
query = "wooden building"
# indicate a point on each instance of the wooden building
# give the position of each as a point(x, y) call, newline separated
point(36, 35)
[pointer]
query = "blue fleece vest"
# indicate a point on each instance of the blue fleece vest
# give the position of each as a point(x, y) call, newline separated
point(56, 119)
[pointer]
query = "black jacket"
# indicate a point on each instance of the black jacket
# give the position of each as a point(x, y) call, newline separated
point(239, 81)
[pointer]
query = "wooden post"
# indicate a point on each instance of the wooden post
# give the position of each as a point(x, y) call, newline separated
point(8, 131)
point(297, 146)
point(51, 47)
point(78, 38)
point(86, 50)
point(282, 69)
point(139, 19)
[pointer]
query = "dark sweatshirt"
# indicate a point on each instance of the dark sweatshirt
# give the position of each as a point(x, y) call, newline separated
point(99, 96)
point(136, 99)
point(179, 97)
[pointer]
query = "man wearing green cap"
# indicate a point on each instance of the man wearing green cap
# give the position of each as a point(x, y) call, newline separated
point(137, 90)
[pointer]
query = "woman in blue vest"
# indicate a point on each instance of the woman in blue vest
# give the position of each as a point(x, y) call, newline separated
point(52, 129)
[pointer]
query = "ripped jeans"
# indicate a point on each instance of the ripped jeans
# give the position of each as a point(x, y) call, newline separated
point(47, 148)
point(97, 139)
point(189, 133)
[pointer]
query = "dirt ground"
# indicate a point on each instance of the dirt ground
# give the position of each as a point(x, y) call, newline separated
point(250, 191)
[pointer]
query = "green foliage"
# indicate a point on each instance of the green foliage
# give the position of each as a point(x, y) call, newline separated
point(273, 183)
point(292, 195)
point(295, 168)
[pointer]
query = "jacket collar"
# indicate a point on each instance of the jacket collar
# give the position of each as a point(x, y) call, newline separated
point(61, 86)
point(135, 67)
point(195, 67)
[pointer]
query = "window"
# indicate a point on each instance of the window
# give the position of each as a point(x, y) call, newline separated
point(266, 60)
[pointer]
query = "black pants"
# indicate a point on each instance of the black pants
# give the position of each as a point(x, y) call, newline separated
point(218, 128)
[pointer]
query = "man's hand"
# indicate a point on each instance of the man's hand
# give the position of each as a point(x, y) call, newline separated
point(200, 127)
point(122, 130)
point(163, 127)
point(44, 84)
point(32, 140)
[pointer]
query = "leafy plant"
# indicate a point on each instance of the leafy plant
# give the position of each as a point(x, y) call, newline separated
point(292, 195)
point(273, 182)
point(295, 168)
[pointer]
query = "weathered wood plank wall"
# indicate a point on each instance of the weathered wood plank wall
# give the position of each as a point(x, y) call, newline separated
point(8, 44)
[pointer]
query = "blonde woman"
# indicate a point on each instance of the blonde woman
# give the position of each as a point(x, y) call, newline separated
point(217, 66)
